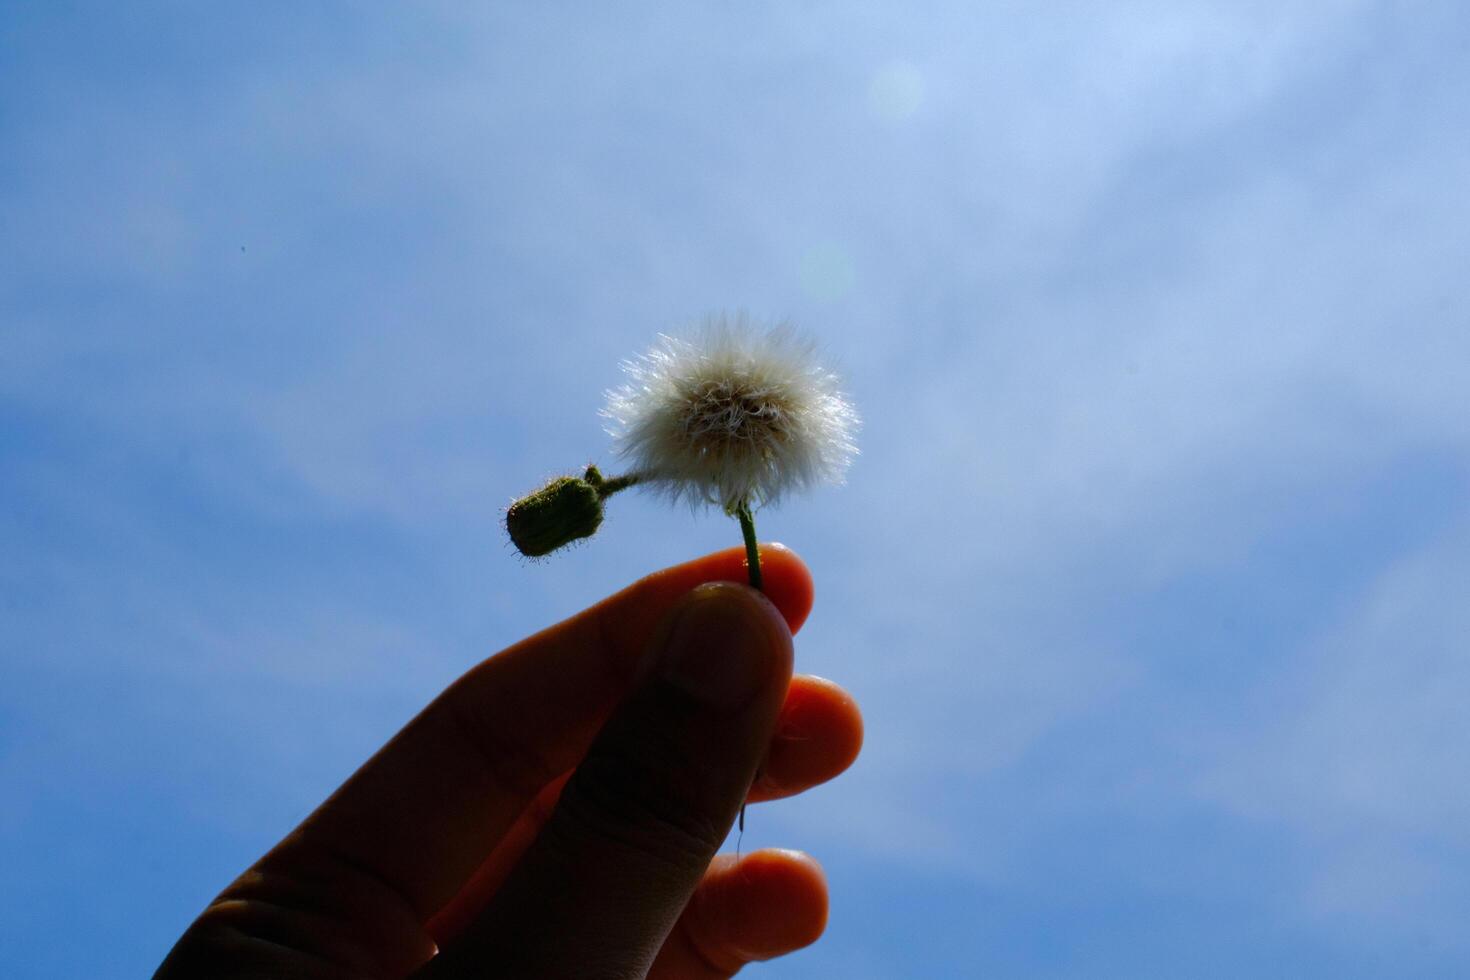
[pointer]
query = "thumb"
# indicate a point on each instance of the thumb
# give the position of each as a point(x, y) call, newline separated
point(645, 811)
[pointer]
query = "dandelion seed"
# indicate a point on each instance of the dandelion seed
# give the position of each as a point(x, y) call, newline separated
point(734, 416)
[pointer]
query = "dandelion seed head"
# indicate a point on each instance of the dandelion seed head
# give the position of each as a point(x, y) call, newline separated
point(734, 413)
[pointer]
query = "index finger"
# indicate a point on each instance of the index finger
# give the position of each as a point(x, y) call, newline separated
point(420, 816)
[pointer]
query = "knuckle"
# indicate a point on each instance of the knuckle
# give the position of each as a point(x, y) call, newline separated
point(513, 767)
point(629, 792)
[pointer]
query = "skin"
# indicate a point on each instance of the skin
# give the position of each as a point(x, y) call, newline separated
point(556, 811)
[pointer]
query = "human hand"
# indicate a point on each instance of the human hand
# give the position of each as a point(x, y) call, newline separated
point(555, 812)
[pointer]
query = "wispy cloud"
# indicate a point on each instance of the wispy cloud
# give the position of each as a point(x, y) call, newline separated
point(1361, 752)
point(1154, 311)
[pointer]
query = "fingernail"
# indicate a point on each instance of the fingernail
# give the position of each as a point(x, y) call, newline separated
point(719, 650)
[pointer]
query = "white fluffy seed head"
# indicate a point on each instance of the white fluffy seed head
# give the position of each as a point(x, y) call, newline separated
point(735, 413)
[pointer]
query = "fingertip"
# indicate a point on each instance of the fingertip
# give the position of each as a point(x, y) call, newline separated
point(819, 734)
point(765, 904)
point(780, 871)
point(817, 703)
point(787, 582)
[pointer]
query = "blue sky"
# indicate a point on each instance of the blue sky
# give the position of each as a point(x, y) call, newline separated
point(1151, 577)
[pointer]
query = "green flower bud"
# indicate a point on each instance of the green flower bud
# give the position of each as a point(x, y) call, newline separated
point(564, 510)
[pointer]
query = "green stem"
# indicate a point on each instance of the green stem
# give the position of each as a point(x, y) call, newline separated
point(610, 487)
point(607, 487)
point(753, 563)
point(752, 548)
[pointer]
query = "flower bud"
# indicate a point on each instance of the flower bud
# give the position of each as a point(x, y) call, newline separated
point(564, 510)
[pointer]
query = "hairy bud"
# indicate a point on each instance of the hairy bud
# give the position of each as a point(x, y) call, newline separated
point(564, 510)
